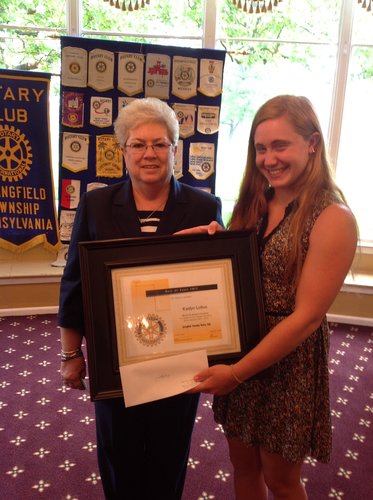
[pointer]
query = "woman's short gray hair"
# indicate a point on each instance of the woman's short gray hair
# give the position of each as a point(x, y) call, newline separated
point(143, 111)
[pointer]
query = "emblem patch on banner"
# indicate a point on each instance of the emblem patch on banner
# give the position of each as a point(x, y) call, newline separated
point(201, 159)
point(75, 151)
point(73, 109)
point(67, 218)
point(70, 194)
point(185, 114)
point(101, 111)
point(27, 208)
point(101, 70)
point(184, 77)
point(130, 72)
point(208, 119)
point(74, 67)
point(211, 77)
point(157, 79)
point(109, 158)
point(16, 154)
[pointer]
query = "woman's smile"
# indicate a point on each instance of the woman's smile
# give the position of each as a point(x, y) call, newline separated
point(276, 171)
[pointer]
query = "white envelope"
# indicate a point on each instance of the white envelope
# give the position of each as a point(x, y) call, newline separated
point(161, 377)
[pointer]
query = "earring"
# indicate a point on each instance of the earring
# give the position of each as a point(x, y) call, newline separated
point(312, 150)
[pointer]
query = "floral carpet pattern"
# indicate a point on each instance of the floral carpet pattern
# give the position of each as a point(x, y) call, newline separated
point(47, 432)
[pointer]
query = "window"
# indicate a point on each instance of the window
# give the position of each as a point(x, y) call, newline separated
point(355, 161)
point(311, 47)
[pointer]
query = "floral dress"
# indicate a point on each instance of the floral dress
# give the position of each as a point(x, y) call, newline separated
point(284, 409)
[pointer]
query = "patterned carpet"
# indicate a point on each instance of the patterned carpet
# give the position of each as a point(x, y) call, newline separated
point(47, 436)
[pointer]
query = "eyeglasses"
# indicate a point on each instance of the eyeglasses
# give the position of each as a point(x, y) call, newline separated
point(139, 148)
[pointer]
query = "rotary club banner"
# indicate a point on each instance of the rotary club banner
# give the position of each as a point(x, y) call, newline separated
point(27, 204)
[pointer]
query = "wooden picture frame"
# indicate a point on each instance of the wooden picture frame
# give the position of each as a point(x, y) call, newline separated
point(157, 296)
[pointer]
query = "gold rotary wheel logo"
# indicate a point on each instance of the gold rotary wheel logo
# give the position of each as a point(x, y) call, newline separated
point(72, 117)
point(150, 330)
point(15, 154)
point(109, 154)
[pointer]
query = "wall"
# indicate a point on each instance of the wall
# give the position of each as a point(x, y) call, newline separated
point(29, 280)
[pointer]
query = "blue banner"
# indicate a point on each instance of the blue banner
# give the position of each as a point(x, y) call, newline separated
point(27, 203)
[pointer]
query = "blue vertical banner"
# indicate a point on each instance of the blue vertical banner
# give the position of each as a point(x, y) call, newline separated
point(27, 202)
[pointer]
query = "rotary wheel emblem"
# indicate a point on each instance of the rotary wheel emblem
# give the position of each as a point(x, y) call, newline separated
point(15, 154)
point(109, 154)
point(101, 67)
point(131, 67)
point(72, 117)
point(74, 68)
point(75, 146)
point(150, 330)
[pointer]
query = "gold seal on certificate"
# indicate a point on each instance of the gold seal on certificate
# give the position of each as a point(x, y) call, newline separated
point(150, 330)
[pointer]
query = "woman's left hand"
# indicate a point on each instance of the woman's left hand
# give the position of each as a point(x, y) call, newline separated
point(211, 229)
point(217, 380)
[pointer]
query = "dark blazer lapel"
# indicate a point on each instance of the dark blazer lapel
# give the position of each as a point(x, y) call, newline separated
point(124, 212)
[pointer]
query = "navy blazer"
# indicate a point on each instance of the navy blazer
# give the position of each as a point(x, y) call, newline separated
point(109, 213)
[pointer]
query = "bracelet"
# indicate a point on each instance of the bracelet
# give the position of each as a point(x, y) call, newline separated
point(67, 355)
point(235, 376)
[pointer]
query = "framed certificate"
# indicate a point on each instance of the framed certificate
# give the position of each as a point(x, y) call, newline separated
point(157, 296)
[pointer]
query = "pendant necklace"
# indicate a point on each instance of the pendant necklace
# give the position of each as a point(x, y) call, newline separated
point(148, 217)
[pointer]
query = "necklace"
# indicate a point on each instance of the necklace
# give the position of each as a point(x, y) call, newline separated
point(148, 217)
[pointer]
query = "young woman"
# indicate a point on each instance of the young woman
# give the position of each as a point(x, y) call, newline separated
point(274, 402)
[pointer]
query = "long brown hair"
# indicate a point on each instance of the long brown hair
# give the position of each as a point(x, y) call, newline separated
point(252, 202)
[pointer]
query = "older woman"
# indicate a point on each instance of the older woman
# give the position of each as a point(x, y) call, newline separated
point(142, 450)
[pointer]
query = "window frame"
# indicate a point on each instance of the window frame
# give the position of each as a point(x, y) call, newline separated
point(210, 39)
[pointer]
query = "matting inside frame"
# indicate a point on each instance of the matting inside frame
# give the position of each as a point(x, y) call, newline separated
point(172, 308)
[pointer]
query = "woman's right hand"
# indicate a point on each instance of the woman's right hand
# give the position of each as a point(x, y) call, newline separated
point(73, 373)
point(211, 229)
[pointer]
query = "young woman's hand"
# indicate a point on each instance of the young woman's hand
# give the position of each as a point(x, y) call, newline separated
point(217, 380)
point(211, 228)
